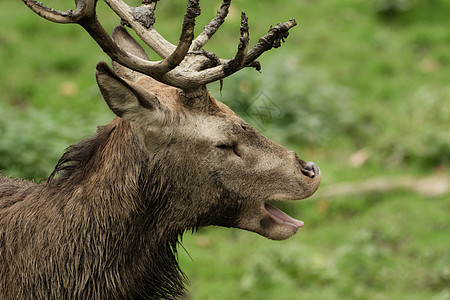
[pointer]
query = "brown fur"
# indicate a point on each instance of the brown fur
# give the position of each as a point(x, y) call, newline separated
point(106, 223)
point(88, 233)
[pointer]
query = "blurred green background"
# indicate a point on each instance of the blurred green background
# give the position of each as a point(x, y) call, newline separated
point(360, 87)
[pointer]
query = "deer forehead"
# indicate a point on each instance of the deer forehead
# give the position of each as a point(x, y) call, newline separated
point(167, 95)
point(212, 128)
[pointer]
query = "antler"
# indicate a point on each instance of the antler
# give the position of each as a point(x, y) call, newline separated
point(186, 65)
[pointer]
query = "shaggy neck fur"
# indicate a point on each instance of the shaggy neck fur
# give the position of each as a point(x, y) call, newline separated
point(105, 216)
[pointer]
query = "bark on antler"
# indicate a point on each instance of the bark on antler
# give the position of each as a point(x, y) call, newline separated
point(186, 65)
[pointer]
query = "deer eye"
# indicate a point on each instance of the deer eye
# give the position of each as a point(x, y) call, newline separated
point(229, 147)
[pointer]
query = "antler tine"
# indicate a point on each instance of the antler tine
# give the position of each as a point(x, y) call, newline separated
point(187, 35)
point(212, 27)
point(272, 39)
point(237, 62)
point(83, 9)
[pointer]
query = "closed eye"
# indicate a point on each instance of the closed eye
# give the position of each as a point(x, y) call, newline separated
point(229, 147)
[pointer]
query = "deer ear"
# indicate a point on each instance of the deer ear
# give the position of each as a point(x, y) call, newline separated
point(126, 99)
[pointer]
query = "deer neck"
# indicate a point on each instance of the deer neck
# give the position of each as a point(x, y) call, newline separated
point(108, 185)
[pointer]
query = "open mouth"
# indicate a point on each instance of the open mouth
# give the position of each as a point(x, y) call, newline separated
point(269, 221)
point(281, 217)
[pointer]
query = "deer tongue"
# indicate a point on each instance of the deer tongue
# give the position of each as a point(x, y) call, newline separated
point(280, 215)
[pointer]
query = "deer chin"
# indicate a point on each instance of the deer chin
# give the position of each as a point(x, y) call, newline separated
point(270, 222)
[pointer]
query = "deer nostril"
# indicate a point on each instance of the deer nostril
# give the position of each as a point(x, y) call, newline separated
point(310, 169)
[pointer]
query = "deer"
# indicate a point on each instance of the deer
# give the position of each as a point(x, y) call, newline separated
point(107, 221)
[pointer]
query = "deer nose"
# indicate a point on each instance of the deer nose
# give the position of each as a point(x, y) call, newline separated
point(310, 169)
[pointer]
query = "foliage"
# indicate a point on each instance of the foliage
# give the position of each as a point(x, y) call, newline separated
point(32, 140)
point(369, 248)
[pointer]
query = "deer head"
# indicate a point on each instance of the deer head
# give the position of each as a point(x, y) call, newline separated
point(223, 171)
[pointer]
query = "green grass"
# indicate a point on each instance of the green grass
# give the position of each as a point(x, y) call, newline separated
point(352, 75)
point(357, 248)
